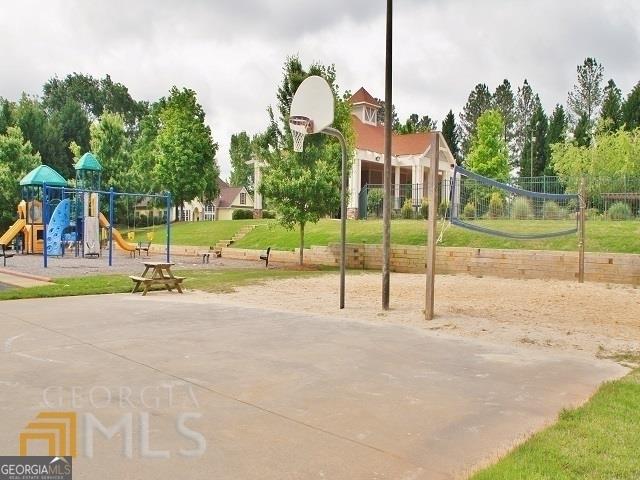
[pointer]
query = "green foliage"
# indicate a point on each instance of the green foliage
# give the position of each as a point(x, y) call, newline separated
point(424, 209)
point(16, 160)
point(552, 211)
point(443, 209)
point(539, 150)
point(631, 109)
point(503, 101)
point(268, 214)
point(496, 205)
point(407, 209)
point(611, 112)
point(186, 164)
point(525, 105)
point(582, 132)
point(479, 101)
point(488, 155)
point(619, 211)
point(415, 124)
point(521, 209)
point(110, 145)
point(242, 214)
point(375, 197)
point(450, 134)
point(469, 211)
point(587, 94)
point(240, 154)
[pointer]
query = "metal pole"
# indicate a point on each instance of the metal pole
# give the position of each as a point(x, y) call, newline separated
point(168, 197)
point(45, 213)
point(386, 205)
point(343, 210)
point(431, 231)
point(581, 219)
point(111, 226)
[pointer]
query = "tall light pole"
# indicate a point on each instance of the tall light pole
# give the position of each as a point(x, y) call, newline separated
point(386, 204)
point(533, 139)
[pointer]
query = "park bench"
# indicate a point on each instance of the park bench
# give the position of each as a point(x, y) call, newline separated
point(141, 248)
point(206, 254)
point(5, 254)
point(265, 257)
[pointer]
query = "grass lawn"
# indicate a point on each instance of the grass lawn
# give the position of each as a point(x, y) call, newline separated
point(206, 280)
point(602, 236)
point(597, 441)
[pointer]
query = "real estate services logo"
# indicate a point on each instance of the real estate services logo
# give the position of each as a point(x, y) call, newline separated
point(35, 468)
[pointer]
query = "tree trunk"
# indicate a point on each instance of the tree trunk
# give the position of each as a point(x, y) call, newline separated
point(301, 243)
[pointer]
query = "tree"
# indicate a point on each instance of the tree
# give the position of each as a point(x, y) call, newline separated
point(582, 132)
point(240, 153)
point(186, 163)
point(416, 124)
point(16, 160)
point(73, 125)
point(525, 105)
point(450, 134)
point(395, 120)
point(537, 146)
point(303, 187)
point(631, 109)
point(488, 155)
point(6, 115)
point(479, 101)
point(504, 101)
point(558, 125)
point(611, 112)
point(144, 152)
point(110, 144)
point(586, 97)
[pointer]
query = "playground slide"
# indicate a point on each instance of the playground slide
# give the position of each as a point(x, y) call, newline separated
point(121, 242)
point(60, 220)
point(14, 230)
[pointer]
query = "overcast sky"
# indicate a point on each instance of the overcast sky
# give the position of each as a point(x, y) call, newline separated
point(231, 53)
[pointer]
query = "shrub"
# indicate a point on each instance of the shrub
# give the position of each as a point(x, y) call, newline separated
point(619, 211)
point(407, 209)
point(424, 209)
point(496, 205)
point(443, 209)
point(374, 200)
point(469, 210)
point(521, 209)
point(268, 214)
point(592, 213)
point(551, 211)
point(242, 214)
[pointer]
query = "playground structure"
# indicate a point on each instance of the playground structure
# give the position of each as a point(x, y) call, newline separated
point(53, 217)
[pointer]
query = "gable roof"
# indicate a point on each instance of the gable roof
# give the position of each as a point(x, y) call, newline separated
point(227, 196)
point(222, 184)
point(43, 174)
point(362, 96)
point(371, 138)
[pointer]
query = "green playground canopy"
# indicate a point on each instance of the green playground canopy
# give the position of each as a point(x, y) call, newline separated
point(43, 174)
point(88, 161)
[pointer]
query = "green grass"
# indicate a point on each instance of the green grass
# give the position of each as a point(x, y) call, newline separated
point(602, 236)
point(206, 280)
point(596, 441)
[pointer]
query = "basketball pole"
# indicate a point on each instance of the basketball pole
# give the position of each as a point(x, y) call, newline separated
point(581, 220)
point(343, 209)
point(431, 231)
point(386, 204)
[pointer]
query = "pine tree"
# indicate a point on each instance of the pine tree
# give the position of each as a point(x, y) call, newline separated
point(611, 113)
point(536, 146)
point(631, 109)
point(586, 97)
point(525, 105)
point(558, 125)
point(582, 132)
point(504, 101)
point(479, 101)
point(450, 134)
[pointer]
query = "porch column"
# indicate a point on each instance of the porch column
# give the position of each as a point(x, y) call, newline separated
point(354, 187)
point(257, 196)
point(396, 192)
point(414, 180)
point(421, 183)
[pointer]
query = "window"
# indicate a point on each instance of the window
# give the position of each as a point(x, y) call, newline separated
point(243, 198)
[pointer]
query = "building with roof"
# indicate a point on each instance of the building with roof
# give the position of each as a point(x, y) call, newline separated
point(222, 208)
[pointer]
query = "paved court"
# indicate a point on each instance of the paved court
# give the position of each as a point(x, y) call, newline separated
point(280, 396)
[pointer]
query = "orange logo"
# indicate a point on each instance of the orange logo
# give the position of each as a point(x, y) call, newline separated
point(58, 429)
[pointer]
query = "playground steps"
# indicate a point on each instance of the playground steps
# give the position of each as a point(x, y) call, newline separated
point(238, 235)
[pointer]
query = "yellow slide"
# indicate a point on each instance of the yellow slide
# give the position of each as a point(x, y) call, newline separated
point(15, 229)
point(121, 242)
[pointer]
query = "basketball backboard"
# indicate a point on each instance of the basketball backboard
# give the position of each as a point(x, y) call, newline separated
point(312, 109)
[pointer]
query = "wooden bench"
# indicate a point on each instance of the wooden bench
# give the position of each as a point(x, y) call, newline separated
point(168, 282)
point(5, 254)
point(265, 257)
point(140, 248)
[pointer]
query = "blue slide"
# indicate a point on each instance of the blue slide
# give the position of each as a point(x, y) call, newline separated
point(60, 220)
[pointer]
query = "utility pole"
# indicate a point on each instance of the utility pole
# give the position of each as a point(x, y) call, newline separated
point(386, 205)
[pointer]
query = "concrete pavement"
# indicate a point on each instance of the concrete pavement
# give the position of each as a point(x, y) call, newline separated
point(274, 396)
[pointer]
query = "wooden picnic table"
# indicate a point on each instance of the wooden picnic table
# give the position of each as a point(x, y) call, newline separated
point(156, 273)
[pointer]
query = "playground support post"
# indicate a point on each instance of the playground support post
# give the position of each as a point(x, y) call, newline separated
point(431, 231)
point(386, 205)
point(168, 198)
point(45, 214)
point(581, 229)
point(111, 195)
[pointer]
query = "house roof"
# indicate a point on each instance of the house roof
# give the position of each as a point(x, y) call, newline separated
point(88, 161)
point(43, 174)
point(371, 138)
point(362, 96)
point(227, 196)
point(222, 184)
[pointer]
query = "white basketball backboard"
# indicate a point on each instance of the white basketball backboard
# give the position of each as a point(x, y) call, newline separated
point(314, 100)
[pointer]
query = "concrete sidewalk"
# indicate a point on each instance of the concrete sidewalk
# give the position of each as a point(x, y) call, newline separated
point(281, 396)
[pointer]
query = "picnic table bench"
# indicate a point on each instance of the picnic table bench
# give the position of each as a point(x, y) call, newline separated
point(160, 275)
point(5, 254)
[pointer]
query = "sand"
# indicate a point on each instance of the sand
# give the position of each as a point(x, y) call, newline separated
point(593, 318)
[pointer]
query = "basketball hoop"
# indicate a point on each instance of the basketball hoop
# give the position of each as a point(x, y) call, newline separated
point(300, 127)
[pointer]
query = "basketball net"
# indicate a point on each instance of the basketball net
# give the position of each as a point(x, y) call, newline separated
point(300, 127)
